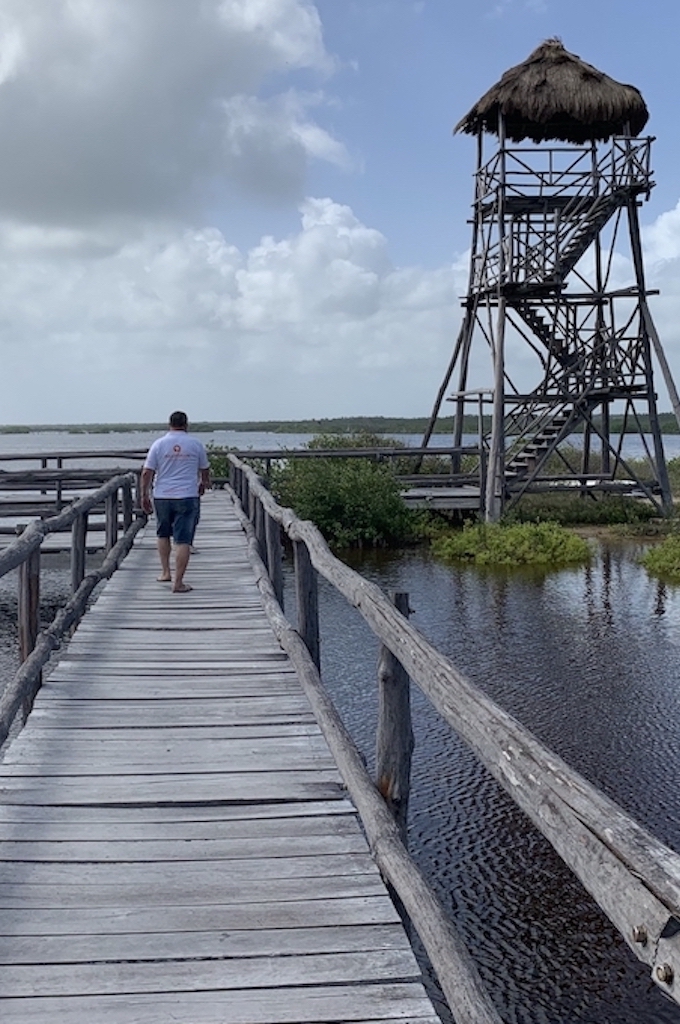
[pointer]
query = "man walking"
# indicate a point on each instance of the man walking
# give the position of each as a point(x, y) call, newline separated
point(178, 465)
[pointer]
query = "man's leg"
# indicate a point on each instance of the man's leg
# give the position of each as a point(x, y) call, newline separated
point(183, 527)
point(182, 552)
point(163, 512)
point(163, 544)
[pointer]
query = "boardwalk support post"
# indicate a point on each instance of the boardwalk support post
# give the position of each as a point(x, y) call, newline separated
point(234, 479)
point(29, 615)
point(259, 527)
point(306, 589)
point(111, 507)
point(394, 738)
point(274, 555)
point(29, 601)
point(245, 495)
point(59, 496)
point(128, 506)
point(78, 551)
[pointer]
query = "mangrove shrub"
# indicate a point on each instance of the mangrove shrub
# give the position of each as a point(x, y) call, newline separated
point(541, 544)
point(355, 502)
point(663, 560)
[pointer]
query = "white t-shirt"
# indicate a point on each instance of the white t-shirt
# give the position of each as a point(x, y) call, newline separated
point(176, 460)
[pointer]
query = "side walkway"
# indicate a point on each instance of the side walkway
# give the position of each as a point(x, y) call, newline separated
point(175, 843)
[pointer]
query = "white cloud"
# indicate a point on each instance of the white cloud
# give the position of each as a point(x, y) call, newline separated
point(662, 238)
point(503, 7)
point(125, 124)
point(267, 144)
point(113, 108)
point(315, 323)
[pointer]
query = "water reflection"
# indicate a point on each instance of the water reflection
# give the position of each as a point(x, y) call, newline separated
point(585, 658)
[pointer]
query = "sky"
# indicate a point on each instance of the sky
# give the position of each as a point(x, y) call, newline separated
point(257, 209)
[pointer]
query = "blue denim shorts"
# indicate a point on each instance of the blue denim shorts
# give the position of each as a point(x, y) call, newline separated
point(177, 518)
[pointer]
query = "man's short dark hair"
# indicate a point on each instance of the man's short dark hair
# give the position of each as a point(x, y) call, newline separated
point(179, 420)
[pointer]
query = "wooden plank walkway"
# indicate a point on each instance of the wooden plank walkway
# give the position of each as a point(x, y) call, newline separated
point(175, 841)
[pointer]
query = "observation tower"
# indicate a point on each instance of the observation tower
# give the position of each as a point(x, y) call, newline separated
point(557, 336)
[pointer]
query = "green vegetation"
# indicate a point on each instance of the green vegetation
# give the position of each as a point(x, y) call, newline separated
point(547, 545)
point(219, 464)
point(663, 560)
point(575, 511)
point(673, 466)
point(338, 425)
point(354, 502)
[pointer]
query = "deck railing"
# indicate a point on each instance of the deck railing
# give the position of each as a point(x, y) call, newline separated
point(632, 876)
point(35, 648)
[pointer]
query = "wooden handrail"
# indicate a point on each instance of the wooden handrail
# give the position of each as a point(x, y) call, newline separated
point(632, 876)
point(32, 537)
point(452, 963)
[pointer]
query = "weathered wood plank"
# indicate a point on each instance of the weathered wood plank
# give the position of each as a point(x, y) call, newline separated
point(292, 914)
point(353, 1004)
point(207, 975)
point(184, 871)
point(51, 949)
point(14, 852)
point(152, 893)
point(233, 815)
point(23, 757)
point(160, 733)
point(223, 786)
point(32, 835)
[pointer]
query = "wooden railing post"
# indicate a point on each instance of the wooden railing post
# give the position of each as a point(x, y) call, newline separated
point(78, 551)
point(128, 506)
point(137, 496)
point(274, 555)
point(29, 616)
point(259, 527)
point(245, 496)
point(111, 509)
point(60, 486)
point(394, 739)
point(28, 601)
point(306, 589)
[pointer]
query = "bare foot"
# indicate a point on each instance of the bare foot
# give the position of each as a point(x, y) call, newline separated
point(183, 588)
point(164, 579)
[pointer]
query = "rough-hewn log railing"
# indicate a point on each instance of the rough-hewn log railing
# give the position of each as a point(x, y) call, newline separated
point(632, 876)
point(45, 490)
point(36, 648)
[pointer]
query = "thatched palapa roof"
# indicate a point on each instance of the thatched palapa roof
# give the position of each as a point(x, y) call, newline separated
point(556, 95)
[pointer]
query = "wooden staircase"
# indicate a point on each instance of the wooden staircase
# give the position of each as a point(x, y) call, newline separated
point(523, 460)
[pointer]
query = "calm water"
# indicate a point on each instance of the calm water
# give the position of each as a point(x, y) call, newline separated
point(588, 660)
point(61, 441)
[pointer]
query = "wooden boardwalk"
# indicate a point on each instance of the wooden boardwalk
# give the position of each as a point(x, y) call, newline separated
point(176, 843)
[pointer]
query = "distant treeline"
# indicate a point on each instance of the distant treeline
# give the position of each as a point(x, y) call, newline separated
point(337, 425)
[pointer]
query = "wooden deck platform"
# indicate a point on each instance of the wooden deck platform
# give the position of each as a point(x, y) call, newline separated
point(443, 499)
point(175, 840)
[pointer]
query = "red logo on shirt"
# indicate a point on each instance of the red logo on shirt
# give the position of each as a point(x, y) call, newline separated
point(177, 448)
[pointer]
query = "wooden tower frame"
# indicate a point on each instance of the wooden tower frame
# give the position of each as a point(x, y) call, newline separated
point(565, 337)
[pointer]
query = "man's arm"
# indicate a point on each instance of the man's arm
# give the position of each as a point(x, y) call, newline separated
point(205, 482)
point(147, 477)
